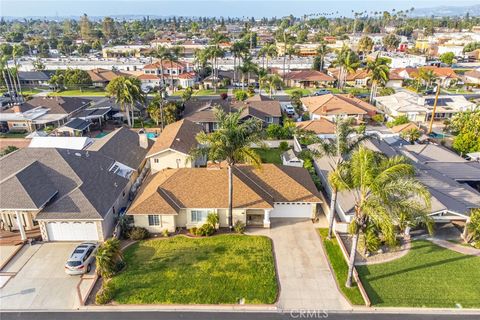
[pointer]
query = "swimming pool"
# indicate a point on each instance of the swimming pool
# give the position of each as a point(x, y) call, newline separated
point(151, 135)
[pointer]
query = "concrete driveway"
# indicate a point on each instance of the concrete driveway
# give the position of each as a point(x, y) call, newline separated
point(305, 278)
point(40, 281)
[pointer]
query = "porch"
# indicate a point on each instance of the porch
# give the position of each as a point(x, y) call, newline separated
point(8, 238)
point(258, 218)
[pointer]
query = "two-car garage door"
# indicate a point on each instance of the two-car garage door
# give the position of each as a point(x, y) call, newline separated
point(72, 231)
point(292, 210)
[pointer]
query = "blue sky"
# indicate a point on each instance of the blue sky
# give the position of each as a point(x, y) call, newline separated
point(225, 8)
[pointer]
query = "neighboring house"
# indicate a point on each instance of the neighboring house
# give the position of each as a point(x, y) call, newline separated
point(183, 198)
point(453, 182)
point(395, 80)
point(446, 75)
point(76, 127)
point(330, 106)
point(308, 79)
point(202, 112)
point(172, 148)
point(322, 127)
point(472, 77)
point(260, 107)
point(98, 110)
point(40, 112)
point(289, 158)
point(71, 195)
point(359, 78)
point(400, 60)
point(33, 78)
point(102, 77)
point(178, 72)
point(419, 109)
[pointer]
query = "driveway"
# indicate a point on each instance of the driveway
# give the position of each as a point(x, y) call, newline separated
point(40, 281)
point(305, 278)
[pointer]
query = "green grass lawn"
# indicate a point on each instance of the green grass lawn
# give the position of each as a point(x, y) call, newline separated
point(215, 270)
point(428, 276)
point(84, 92)
point(209, 92)
point(270, 155)
point(305, 92)
point(13, 135)
point(340, 267)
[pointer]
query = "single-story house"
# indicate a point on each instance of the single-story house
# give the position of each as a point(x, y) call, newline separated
point(322, 127)
point(102, 77)
point(183, 198)
point(308, 79)
point(76, 127)
point(33, 78)
point(359, 78)
point(71, 195)
point(330, 106)
point(172, 148)
point(472, 77)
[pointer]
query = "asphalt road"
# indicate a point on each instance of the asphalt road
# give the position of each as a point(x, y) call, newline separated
point(153, 315)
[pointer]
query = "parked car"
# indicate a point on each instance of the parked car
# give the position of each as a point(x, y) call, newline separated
point(81, 259)
point(321, 92)
point(289, 109)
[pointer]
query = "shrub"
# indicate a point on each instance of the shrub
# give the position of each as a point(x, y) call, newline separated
point(138, 233)
point(107, 257)
point(212, 219)
point(193, 231)
point(378, 118)
point(206, 230)
point(398, 121)
point(386, 92)
point(241, 95)
point(105, 294)
point(283, 146)
point(239, 227)
point(165, 233)
point(179, 87)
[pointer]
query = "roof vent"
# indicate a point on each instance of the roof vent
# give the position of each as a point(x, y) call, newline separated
point(78, 154)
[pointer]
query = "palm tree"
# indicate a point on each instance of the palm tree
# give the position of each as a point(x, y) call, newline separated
point(273, 82)
point(411, 135)
point(17, 51)
point(270, 53)
point(162, 54)
point(322, 51)
point(427, 75)
point(348, 62)
point(107, 257)
point(215, 52)
point(231, 143)
point(290, 52)
point(127, 92)
point(379, 70)
point(237, 49)
point(262, 78)
point(385, 191)
point(155, 110)
point(346, 141)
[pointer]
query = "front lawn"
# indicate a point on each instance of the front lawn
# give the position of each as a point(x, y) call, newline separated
point(216, 270)
point(305, 92)
point(209, 92)
point(340, 268)
point(84, 92)
point(270, 155)
point(428, 276)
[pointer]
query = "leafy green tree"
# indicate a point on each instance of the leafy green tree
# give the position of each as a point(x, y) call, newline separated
point(348, 62)
point(411, 135)
point(171, 112)
point(322, 51)
point(365, 44)
point(473, 228)
point(385, 189)
point(155, 110)
point(241, 95)
point(391, 41)
point(273, 82)
point(107, 257)
point(231, 143)
point(398, 121)
point(447, 58)
point(466, 127)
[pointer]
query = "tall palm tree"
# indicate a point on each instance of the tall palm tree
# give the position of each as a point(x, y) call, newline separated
point(215, 52)
point(290, 52)
point(270, 53)
point(155, 110)
point(346, 141)
point(322, 51)
point(262, 78)
point(127, 92)
point(348, 62)
point(237, 49)
point(427, 75)
point(385, 191)
point(162, 53)
point(273, 82)
point(379, 70)
point(231, 143)
point(17, 51)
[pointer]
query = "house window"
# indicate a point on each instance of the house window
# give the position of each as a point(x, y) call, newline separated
point(153, 220)
point(215, 126)
point(199, 215)
point(269, 119)
point(156, 160)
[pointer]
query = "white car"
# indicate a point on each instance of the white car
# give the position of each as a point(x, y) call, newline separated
point(289, 109)
point(81, 259)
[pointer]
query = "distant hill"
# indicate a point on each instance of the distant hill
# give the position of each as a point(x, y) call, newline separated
point(447, 11)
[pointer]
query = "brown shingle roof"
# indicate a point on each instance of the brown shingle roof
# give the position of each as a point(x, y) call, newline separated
point(103, 75)
point(319, 126)
point(308, 75)
point(404, 127)
point(172, 189)
point(57, 105)
point(178, 136)
point(333, 104)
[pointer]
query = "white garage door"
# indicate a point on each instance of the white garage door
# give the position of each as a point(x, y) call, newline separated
point(72, 231)
point(291, 210)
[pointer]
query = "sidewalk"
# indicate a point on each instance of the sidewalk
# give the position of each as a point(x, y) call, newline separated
point(455, 247)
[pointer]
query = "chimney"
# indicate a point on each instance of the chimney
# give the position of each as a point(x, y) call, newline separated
point(143, 140)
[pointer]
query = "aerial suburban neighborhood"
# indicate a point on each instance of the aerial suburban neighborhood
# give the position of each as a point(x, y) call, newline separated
point(270, 160)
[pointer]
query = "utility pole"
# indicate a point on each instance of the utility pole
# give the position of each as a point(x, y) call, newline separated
point(434, 109)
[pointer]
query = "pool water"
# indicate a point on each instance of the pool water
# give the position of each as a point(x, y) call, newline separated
point(151, 135)
point(101, 135)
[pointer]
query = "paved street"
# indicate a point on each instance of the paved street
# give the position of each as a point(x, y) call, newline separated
point(310, 314)
point(305, 278)
point(40, 281)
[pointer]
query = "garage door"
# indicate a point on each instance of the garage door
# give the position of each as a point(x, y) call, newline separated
point(292, 210)
point(72, 231)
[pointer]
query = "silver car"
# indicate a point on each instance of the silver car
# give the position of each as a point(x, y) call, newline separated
point(81, 259)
